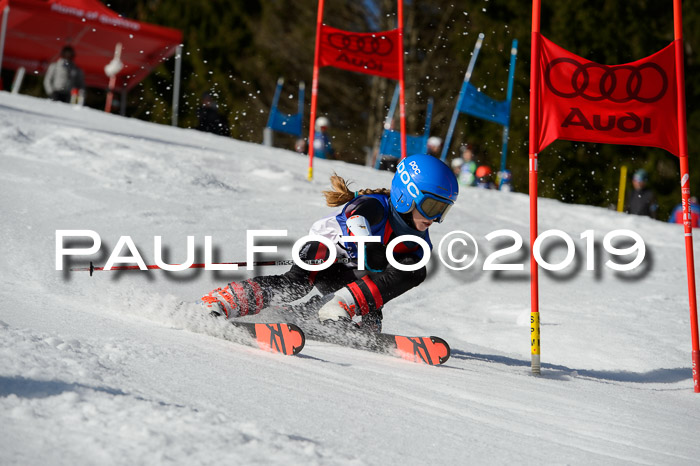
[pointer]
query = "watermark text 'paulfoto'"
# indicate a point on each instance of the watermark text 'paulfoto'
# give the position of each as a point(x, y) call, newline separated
point(458, 250)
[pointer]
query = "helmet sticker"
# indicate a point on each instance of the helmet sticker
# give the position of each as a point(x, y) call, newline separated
point(406, 178)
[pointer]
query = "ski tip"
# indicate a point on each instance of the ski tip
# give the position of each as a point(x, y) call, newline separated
point(300, 340)
point(447, 351)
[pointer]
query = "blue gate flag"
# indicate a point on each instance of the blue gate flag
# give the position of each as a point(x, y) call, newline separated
point(283, 122)
point(290, 124)
point(391, 143)
point(480, 105)
point(475, 103)
point(391, 139)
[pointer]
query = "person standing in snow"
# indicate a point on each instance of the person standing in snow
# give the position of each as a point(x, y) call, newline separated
point(467, 176)
point(422, 192)
point(483, 178)
point(300, 146)
point(64, 78)
point(434, 145)
point(210, 120)
point(641, 200)
point(505, 180)
point(694, 207)
point(322, 142)
point(456, 165)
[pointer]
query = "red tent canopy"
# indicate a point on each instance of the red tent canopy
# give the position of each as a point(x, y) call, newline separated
point(38, 29)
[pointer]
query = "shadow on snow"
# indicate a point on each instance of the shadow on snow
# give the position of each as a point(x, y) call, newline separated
point(671, 375)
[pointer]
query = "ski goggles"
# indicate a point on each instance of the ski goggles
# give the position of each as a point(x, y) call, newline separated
point(433, 207)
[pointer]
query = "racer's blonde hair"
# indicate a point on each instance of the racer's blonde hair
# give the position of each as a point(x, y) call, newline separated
point(340, 194)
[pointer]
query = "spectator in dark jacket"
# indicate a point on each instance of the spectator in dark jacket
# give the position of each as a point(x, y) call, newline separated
point(210, 120)
point(64, 77)
point(641, 200)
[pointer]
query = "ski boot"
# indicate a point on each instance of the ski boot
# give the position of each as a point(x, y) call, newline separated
point(220, 302)
point(234, 300)
point(340, 307)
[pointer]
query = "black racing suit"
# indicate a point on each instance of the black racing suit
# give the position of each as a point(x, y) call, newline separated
point(371, 290)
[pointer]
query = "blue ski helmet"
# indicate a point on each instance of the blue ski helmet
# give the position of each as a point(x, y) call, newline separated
point(425, 183)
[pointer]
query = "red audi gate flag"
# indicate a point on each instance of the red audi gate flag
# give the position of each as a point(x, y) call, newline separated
point(374, 53)
point(581, 100)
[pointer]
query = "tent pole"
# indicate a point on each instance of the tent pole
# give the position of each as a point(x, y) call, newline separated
point(17, 81)
point(110, 94)
point(176, 83)
point(3, 30)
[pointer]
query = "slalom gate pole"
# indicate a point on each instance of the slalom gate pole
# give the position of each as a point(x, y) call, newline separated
point(389, 122)
point(685, 188)
point(176, 87)
point(402, 95)
point(509, 98)
point(621, 190)
point(314, 89)
point(302, 89)
point(275, 100)
point(534, 102)
point(92, 268)
point(3, 33)
point(460, 98)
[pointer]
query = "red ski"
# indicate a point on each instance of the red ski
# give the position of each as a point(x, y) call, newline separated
point(424, 350)
point(282, 338)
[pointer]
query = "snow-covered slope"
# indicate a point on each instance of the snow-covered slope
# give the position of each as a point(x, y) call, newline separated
point(106, 370)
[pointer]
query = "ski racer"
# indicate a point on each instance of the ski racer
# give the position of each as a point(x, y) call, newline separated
point(422, 192)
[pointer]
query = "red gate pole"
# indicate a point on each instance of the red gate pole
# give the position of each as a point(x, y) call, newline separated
point(685, 187)
point(534, 103)
point(402, 95)
point(314, 89)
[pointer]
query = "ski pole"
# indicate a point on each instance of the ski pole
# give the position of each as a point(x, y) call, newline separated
point(92, 268)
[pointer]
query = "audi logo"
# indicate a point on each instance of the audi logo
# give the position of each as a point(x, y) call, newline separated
point(645, 83)
point(370, 45)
